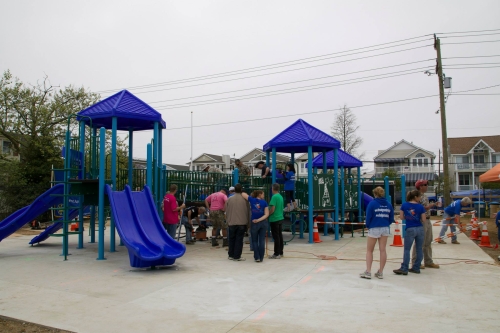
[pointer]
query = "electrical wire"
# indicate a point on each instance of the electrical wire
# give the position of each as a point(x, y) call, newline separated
point(235, 72)
point(478, 42)
point(448, 67)
point(495, 33)
point(478, 64)
point(267, 94)
point(279, 84)
point(484, 56)
point(465, 32)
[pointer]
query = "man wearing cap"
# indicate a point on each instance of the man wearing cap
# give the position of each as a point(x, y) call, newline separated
point(231, 192)
point(421, 185)
point(265, 171)
point(216, 202)
point(243, 172)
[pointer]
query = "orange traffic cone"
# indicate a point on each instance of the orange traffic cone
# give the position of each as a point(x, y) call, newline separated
point(73, 226)
point(316, 233)
point(474, 234)
point(397, 241)
point(485, 237)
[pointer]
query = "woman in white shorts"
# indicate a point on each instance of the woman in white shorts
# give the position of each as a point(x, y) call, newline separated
point(379, 216)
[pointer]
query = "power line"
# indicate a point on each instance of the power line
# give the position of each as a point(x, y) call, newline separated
point(279, 84)
point(484, 56)
point(465, 32)
point(271, 93)
point(478, 42)
point(481, 63)
point(279, 72)
point(475, 94)
point(279, 63)
point(322, 111)
point(448, 67)
point(496, 33)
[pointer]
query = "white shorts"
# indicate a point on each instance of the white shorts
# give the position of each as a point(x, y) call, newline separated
point(379, 232)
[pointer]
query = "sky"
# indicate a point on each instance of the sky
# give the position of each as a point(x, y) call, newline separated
point(147, 47)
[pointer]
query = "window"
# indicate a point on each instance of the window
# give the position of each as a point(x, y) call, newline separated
point(463, 179)
point(415, 162)
point(6, 147)
point(420, 155)
point(426, 162)
point(478, 158)
point(495, 158)
point(462, 159)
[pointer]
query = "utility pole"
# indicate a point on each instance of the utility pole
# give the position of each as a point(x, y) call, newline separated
point(444, 133)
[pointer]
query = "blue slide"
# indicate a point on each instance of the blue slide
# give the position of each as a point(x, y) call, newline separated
point(17, 220)
point(53, 228)
point(141, 229)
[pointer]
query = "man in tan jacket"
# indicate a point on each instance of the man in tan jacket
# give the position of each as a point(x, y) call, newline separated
point(237, 218)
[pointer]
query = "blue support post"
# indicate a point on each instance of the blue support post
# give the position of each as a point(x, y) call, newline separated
point(155, 163)
point(310, 190)
point(360, 195)
point(336, 190)
point(67, 173)
point(342, 196)
point(325, 215)
point(403, 200)
point(267, 157)
point(160, 168)
point(80, 210)
point(131, 159)
point(236, 176)
point(112, 232)
point(102, 178)
point(94, 175)
point(149, 164)
point(386, 188)
point(273, 168)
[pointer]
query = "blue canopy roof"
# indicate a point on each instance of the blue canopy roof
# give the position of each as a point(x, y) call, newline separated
point(344, 160)
point(299, 136)
point(132, 113)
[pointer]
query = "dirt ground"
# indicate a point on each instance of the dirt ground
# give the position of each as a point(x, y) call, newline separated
point(18, 326)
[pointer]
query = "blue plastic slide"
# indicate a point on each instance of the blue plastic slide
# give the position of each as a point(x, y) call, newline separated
point(141, 230)
point(17, 220)
point(53, 228)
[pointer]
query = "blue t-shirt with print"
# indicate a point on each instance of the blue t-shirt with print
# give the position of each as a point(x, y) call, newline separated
point(454, 208)
point(412, 213)
point(290, 181)
point(257, 207)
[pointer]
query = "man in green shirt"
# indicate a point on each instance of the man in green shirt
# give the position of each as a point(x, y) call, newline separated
point(276, 220)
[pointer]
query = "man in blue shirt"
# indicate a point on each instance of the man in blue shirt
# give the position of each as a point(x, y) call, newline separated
point(497, 222)
point(449, 215)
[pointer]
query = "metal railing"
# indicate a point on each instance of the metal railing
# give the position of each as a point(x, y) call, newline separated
point(474, 166)
point(406, 169)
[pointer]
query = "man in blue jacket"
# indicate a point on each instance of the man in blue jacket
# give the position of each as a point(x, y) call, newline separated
point(450, 214)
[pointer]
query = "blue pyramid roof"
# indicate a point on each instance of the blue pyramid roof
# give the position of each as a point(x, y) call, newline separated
point(344, 160)
point(299, 136)
point(131, 112)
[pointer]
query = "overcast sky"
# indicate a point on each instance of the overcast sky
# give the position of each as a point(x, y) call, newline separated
point(112, 45)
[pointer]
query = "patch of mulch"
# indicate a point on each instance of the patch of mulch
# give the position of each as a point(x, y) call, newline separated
point(10, 325)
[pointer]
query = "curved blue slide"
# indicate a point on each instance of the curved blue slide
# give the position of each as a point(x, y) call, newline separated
point(45, 201)
point(53, 228)
point(141, 229)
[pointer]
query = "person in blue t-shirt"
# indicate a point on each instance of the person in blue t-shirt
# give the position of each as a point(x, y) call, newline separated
point(497, 222)
point(414, 214)
point(450, 218)
point(379, 216)
point(289, 176)
point(258, 223)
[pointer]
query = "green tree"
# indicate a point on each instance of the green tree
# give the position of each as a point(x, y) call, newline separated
point(393, 175)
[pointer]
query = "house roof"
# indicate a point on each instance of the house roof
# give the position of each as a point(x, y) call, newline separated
point(260, 152)
point(299, 136)
point(400, 154)
point(215, 158)
point(131, 113)
point(344, 160)
point(465, 144)
point(178, 167)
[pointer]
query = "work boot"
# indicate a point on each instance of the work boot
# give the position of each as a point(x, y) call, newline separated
point(455, 242)
point(214, 242)
point(433, 265)
point(225, 242)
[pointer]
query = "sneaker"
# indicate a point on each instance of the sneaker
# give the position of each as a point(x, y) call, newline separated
point(400, 272)
point(239, 259)
point(441, 241)
point(433, 265)
point(189, 243)
point(275, 257)
point(230, 258)
point(414, 271)
point(257, 260)
point(455, 242)
point(365, 275)
point(379, 275)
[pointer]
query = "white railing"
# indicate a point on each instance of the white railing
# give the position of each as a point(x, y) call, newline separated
point(406, 169)
point(465, 187)
point(474, 166)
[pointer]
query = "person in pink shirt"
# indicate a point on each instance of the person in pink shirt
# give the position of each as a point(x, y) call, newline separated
point(216, 202)
point(171, 211)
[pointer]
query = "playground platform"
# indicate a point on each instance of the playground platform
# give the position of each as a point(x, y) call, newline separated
point(205, 292)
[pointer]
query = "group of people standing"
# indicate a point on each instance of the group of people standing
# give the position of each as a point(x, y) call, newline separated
point(416, 212)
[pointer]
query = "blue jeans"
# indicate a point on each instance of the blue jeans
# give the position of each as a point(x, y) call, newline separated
point(171, 228)
point(417, 234)
point(258, 239)
point(445, 227)
point(188, 227)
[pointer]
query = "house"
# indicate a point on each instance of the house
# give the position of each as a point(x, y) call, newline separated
point(406, 158)
point(141, 163)
point(301, 162)
point(255, 155)
point(6, 150)
point(223, 162)
point(470, 157)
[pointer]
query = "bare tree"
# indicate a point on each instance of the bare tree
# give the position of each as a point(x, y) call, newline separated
point(344, 129)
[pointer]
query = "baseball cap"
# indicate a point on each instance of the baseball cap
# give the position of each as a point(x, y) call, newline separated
point(420, 182)
point(231, 189)
point(204, 167)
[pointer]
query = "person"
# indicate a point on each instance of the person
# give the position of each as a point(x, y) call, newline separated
point(258, 226)
point(265, 171)
point(379, 216)
point(244, 172)
point(421, 185)
point(414, 214)
point(449, 215)
point(236, 208)
point(215, 203)
point(276, 221)
point(497, 222)
point(211, 169)
point(189, 214)
point(171, 211)
point(231, 192)
point(289, 176)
